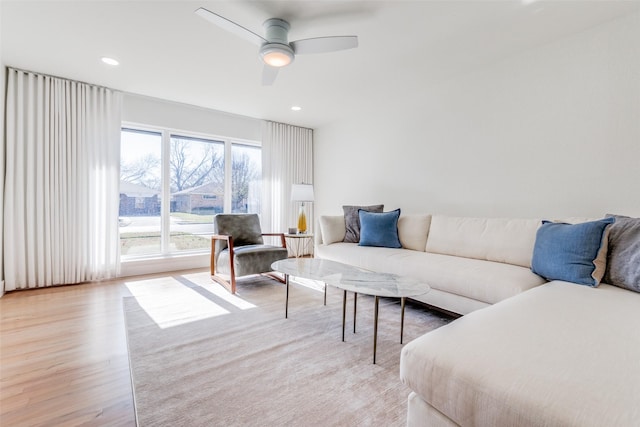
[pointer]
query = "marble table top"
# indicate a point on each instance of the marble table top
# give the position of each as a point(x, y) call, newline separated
point(350, 278)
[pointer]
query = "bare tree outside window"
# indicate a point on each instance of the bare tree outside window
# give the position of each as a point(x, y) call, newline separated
point(194, 163)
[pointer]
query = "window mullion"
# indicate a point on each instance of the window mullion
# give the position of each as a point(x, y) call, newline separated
point(228, 171)
point(165, 217)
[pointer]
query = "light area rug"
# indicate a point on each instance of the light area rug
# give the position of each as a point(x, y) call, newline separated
point(202, 357)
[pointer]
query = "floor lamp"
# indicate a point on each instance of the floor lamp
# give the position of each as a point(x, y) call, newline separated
point(302, 193)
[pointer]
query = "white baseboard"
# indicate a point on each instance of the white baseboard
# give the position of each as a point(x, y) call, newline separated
point(136, 267)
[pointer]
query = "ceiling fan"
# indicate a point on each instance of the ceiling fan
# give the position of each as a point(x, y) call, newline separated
point(275, 49)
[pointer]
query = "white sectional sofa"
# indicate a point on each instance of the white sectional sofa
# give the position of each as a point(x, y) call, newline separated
point(527, 352)
point(469, 263)
point(557, 355)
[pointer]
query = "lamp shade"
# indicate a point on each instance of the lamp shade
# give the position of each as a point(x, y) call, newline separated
point(302, 193)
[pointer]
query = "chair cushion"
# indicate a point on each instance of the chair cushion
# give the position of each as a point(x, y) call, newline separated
point(250, 259)
point(245, 228)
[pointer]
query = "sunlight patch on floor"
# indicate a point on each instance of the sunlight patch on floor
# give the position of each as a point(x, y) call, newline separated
point(204, 280)
point(170, 303)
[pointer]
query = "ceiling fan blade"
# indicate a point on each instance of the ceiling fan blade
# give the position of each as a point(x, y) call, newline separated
point(231, 26)
point(269, 75)
point(324, 44)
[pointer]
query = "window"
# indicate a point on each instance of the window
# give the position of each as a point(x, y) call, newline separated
point(173, 212)
point(246, 184)
point(197, 171)
point(140, 192)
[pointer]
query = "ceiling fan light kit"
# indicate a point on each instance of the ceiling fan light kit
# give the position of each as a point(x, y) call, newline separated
point(276, 54)
point(275, 49)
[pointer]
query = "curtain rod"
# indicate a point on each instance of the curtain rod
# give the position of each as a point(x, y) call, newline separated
point(8, 67)
point(287, 124)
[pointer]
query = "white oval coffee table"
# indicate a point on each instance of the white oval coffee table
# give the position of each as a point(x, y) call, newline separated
point(352, 279)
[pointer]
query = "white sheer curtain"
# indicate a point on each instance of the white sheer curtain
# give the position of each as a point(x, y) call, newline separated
point(61, 182)
point(287, 158)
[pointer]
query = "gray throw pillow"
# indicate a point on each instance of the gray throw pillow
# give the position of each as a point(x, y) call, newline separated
point(352, 221)
point(623, 256)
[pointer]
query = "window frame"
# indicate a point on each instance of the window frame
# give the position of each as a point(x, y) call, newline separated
point(166, 133)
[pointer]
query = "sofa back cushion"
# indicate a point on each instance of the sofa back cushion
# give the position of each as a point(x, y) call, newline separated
point(494, 239)
point(413, 231)
point(332, 228)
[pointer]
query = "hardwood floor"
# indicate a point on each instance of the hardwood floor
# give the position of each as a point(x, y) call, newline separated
point(63, 356)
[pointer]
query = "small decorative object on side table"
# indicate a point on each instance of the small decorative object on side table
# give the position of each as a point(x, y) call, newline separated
point(302, 193)
point(300, 245)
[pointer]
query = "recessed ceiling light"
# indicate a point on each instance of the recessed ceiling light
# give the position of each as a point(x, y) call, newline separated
point(109, 61)
point(296, 108)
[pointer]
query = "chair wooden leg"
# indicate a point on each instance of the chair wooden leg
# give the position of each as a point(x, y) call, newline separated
point(275, 276)
point(230, 286)
point(233, 283)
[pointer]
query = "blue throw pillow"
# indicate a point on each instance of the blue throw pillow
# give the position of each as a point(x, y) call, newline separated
point(572, 252)
point(379, 229)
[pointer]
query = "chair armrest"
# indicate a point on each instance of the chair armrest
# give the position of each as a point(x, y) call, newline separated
point(282, 239)
point(225, 237)
point(229, 240)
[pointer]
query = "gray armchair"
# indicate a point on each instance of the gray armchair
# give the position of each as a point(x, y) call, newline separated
point(238, 249)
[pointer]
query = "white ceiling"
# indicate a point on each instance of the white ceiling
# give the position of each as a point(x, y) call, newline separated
point(166, 51)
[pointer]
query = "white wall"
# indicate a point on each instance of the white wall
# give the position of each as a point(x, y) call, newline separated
point(153, 111)
point(551, 132)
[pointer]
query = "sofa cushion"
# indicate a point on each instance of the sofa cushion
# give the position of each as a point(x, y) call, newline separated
point(413, 231)
point(352, 221)
point(494, 239)
point(484, 281)
point(379, 229)
point(623, 254)
point(557, 350)
point(332, 228)
point(576, 253)
point(250, 259)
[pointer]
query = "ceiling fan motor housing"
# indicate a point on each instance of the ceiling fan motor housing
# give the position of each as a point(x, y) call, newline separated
point(277, 47)
point(276, 30)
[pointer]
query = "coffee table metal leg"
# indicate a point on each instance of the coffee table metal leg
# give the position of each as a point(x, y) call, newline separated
point(355, 303)
point(344, 311)
point(401, 318)
point(286, 302)
point(375, 328)
point(325, 294)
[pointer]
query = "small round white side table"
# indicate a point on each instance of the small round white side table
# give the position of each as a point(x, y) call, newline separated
point(300, 244)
